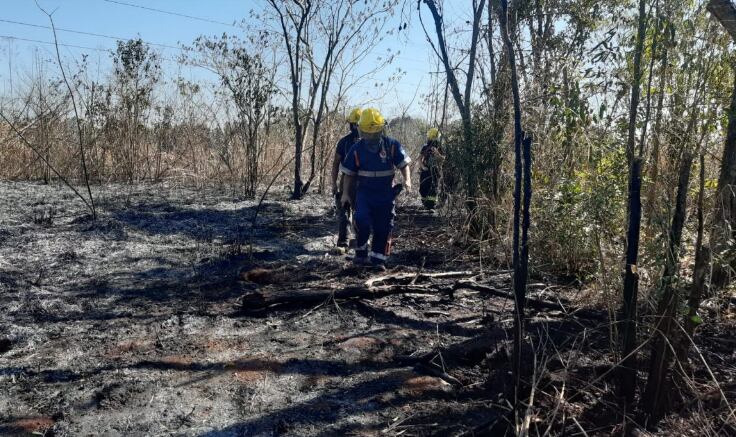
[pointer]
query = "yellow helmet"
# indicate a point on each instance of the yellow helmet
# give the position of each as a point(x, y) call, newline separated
point(433, 134)
point(354, 116)
point(371, 121)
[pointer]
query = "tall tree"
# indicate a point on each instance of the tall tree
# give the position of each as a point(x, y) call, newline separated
point(136, 71)
point(654, 164)
point(627, 378)
point(463, 100)
point(658, 396)
point(77, 119)
point(319, 38)
point(722, 233)
point(247, 87)
point(294, 19)
point(521, 220)
point(655, 399)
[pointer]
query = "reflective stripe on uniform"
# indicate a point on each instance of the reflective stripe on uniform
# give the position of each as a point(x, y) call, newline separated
point(376, 174)
point(378, 256)
point(404, 163)
point(346, 170)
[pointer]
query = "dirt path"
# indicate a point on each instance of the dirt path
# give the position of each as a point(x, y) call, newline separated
point(130, 325)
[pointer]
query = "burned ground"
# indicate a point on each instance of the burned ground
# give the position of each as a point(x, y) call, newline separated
point(135, 324)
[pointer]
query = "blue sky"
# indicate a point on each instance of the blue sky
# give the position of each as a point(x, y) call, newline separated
point(113, 19)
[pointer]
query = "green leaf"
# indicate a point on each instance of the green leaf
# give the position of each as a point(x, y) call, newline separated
point(696, 319)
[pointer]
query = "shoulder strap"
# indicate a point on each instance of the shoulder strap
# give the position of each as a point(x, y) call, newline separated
point(384, 140)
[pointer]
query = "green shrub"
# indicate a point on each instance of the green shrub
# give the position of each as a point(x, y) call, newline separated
point(578, 214)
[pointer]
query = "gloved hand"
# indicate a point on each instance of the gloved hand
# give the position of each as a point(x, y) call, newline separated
point(397, 190)
point(336, 197)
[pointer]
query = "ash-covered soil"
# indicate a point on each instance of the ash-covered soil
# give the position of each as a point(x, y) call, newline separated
point(133, 324)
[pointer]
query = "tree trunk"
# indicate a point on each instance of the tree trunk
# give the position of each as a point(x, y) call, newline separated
point(298, 147)
point(501, 95)
point(725, 204)
point(489, 37)
point(627, 376)
point(698, 288)
point(725, 12)
point(312, 157)
point(657, 398)
point(520, 233)
point(654, 162)
point(463, 101)
point(264, 299)
point(294, 55)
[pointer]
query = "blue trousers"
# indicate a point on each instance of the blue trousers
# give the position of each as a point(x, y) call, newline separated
point(374, 213)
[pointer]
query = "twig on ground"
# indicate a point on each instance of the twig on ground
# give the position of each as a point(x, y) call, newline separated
point(419, 272)
point(582, 431)
point(534, 303)
point(732, 413)
point(397, 277)
point(264, 299)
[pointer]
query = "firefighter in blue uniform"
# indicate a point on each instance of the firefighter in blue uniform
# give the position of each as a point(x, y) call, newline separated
point(343, 146)
point(368, 170)
point(431, 157)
